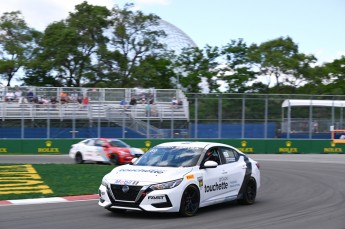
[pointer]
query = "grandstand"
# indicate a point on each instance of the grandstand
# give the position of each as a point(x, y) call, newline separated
point(108, 106)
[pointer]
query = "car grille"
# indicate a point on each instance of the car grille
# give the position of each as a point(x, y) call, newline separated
point(130, 195)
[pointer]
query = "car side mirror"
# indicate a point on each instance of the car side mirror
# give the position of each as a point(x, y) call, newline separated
point(134, 160)
point(105, 146)
point(209, 164)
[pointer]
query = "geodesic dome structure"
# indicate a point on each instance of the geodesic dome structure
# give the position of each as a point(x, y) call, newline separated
point(176, 39)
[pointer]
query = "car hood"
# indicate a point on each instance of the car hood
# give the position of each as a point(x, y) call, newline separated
point(145, 175)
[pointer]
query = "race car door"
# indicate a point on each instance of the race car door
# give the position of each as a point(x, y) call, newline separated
point(235, 168)
point(214, 187)
point(90, 150)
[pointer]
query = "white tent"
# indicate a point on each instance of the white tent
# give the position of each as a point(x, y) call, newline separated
point(313, 102)
point(289, 103)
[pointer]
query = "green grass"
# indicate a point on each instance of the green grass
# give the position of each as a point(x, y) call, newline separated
point(63, 179)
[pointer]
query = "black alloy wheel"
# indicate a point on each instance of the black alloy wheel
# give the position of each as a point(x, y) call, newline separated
point(190, 201)
point(249, 193)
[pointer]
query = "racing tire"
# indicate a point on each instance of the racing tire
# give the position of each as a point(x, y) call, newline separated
point(249, 193)
point(190, 201)
point(79, 158)
point(114, 159)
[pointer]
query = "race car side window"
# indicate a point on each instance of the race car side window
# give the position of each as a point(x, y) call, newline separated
point(90, 142)
point(213, 155)
point(99, 143)
point(230, 155)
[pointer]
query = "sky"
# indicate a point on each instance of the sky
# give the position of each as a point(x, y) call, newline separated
point(316, 26)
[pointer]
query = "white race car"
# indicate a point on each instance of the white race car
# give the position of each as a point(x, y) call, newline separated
point(181, 177)
point(106, 150)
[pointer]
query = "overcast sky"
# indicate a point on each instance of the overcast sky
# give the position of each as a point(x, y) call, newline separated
point(317, 26)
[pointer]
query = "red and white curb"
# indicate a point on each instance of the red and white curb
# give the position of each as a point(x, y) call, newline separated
point(50, 200)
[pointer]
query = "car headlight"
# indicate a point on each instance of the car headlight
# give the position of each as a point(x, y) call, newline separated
point(123, 153)
point(166, 185)
point(105, 182)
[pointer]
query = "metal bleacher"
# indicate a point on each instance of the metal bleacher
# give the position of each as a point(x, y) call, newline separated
point(104, 105)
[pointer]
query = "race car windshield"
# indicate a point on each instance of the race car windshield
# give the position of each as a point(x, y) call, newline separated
point(117, 143)
point(170, 157)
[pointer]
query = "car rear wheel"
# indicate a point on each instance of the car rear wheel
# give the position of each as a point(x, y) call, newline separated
point(79, 158)
point(249, 193)
point(190, 201)
point(114, 159)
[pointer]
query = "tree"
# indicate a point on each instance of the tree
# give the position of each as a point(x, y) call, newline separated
point(280, 64)
point(17, 42)
point(133, 37)
point(197, 69)
point(69, 47)
point(237, 70)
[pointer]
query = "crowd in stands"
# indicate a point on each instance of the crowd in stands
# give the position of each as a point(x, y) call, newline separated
point(29, 97)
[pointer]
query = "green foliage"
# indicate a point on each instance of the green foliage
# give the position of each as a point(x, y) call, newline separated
point(17, 41)
point(123, 48)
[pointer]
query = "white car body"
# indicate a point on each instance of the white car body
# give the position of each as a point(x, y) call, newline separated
point(103, 150)
point(164, 187)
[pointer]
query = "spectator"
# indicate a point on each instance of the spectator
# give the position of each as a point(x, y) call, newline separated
point(74, 96)
point(30, 96)
point(18, 94)
point(85, 103)
point(148, 110)
point(9, 97)
point(154, 111)
point(133, 102)
point(174, 102)
point(151, 101)
point(22, 99)
point(63, 97)
point(53, 102)
point(143, 99)
point(123, 104)
point(179, 104)
point(315, 126)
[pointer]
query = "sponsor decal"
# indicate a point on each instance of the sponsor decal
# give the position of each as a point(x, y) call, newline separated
point(155, 197)
point(288, 148)
point(244, 148)
point(48, 148)
point(201, 182)
point(234, 184)
point(332, 149)
point(157, 171)
point(216, 187)
point(190, 177)
point(3, 150)
point(126, 182)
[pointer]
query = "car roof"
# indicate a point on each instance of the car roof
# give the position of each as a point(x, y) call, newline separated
point(192, 144)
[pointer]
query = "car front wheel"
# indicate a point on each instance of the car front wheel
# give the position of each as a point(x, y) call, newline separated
point(114, 159)
point(190, 201)
point(79, 158)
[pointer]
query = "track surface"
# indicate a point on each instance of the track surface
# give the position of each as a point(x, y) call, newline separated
point(298, 191)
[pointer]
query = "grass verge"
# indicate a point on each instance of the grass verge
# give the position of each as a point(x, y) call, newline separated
point(62, 179)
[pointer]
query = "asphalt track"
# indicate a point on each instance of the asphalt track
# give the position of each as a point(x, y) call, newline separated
point(298, 191)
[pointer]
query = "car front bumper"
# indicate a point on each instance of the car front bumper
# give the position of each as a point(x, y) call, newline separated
point(141, 198)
